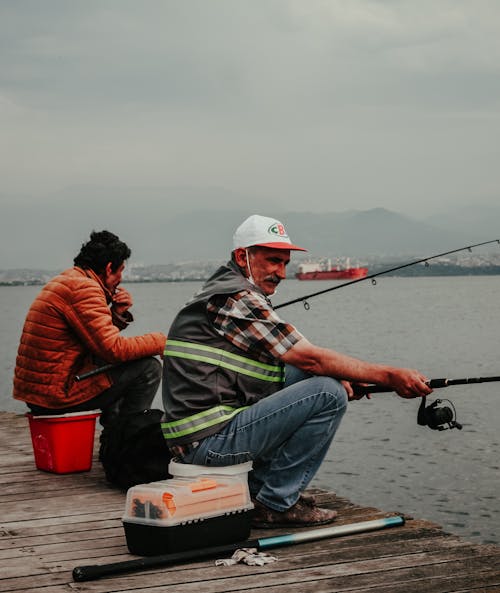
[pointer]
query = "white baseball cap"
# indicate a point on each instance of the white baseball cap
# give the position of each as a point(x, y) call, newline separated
point(262, 231)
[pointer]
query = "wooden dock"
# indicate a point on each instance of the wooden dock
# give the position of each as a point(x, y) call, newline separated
point(51, 523)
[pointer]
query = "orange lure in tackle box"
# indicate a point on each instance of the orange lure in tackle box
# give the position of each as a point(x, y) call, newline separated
point(200, 506)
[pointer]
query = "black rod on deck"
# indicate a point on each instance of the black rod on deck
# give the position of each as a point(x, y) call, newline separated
point(88, 573)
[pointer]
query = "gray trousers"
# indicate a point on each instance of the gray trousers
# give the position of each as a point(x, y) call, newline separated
point(135, 384)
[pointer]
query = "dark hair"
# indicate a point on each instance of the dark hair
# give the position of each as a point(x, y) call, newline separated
point(103, 247)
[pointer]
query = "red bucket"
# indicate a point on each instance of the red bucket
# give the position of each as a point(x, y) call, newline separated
point(63, 444)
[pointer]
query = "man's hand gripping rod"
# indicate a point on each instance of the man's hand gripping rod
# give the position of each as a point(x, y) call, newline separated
point(433, 384)
point(434, 415)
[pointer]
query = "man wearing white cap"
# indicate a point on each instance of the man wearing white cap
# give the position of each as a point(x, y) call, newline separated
point(240, 384)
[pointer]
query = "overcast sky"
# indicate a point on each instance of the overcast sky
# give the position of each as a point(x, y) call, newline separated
point(310, 105)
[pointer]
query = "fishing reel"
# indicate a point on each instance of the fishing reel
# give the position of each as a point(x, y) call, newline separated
point(437, 416)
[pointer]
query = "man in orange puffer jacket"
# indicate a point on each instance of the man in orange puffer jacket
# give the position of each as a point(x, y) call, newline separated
point(73, 327)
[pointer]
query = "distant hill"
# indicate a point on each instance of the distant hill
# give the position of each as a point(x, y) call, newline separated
point(376, 232)
point(174, 224)
point(368, 232)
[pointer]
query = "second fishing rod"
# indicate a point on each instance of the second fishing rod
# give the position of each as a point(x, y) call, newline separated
point(424, 260)
point(304, 299)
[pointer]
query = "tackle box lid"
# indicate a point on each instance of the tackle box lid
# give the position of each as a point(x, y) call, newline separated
point(186, 499)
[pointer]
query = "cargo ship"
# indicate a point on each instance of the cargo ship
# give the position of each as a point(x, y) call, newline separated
point(323, 270)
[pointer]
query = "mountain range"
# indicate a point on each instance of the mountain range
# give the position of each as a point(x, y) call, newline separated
point(183, 225)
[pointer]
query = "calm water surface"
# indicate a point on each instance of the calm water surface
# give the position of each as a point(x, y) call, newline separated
point(445, 327)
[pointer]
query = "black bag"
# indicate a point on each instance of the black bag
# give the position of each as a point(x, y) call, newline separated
point(133, 450)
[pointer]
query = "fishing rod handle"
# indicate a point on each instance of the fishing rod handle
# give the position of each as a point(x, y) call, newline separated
point(433, 384)
point(93, 372)
point(96, 571)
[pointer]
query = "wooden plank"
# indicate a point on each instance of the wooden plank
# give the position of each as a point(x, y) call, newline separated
point(289, 569)
point(403, 575)
point(51, 523)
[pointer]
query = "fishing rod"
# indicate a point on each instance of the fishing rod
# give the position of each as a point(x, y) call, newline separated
point(88, 573)
point(95, 371)
point(375, 275)
point(434, 415)
point(433, 384)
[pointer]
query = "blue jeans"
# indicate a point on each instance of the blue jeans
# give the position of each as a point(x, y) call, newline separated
point(286, 435)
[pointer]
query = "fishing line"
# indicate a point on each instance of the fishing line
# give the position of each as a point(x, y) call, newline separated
point(424, 260)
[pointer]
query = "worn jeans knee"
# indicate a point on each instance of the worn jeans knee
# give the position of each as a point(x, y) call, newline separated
point(286, 435)
point(337, 400)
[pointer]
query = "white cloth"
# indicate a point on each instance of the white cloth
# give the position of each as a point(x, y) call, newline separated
point(248, 556)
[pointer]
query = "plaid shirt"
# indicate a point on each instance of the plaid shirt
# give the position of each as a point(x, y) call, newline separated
point(249, 322)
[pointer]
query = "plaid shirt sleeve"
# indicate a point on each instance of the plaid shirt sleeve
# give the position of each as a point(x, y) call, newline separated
point(249, 322)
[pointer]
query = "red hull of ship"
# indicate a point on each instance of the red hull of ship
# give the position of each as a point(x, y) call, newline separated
point(347, 274)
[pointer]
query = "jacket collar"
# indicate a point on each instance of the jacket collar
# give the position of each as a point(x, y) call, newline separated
point(91, 274)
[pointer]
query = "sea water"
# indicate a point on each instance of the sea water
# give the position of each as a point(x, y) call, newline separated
point(445, 327)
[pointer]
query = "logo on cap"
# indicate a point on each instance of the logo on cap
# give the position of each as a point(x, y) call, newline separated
point(277, 229)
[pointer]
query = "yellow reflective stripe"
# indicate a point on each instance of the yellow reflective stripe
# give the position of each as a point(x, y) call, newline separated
point(262, 371)
point(225, 365)
point(197, 422)
point(225, 353)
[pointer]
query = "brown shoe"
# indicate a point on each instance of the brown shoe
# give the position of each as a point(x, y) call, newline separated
point(309, 499)
point(304, 513)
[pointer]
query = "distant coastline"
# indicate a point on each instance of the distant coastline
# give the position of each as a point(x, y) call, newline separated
point(199, 272)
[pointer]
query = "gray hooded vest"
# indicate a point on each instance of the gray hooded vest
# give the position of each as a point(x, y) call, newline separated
point(207, 380)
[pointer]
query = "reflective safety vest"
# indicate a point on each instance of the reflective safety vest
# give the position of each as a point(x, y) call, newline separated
point(207, 380)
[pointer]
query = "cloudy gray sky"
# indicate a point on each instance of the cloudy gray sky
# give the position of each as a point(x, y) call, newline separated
point(308, 105)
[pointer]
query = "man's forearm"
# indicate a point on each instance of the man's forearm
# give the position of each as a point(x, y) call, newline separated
point(326, 362)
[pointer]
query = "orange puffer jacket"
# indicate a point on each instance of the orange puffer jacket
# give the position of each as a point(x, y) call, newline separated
point(68, 328)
